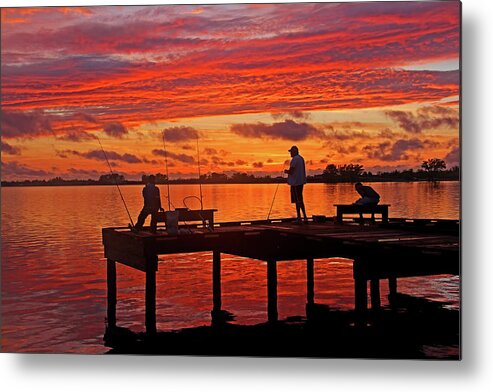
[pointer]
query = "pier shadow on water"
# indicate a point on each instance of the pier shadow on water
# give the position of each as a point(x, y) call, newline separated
point(412, 328)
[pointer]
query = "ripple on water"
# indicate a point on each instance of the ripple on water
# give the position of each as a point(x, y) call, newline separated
point(54, 271)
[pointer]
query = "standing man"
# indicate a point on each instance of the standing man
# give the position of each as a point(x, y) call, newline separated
point(296, 179)
point(152, 204)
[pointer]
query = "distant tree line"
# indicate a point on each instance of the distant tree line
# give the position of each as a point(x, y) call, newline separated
point(431, 170)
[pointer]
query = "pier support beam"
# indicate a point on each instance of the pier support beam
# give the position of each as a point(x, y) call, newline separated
point(272, 291)
point(310, 282)
point(310, 290)
point(150, 321)
point(375, 294)
point(392, 285)
point(111, 285)
point(360, 286)
point(216, 284)
point(360, 295)
point(392, 289)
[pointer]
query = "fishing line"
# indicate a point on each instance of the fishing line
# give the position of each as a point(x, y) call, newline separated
point(116, 182)
point(167, 174)
point(198, 167)
point(275, 193)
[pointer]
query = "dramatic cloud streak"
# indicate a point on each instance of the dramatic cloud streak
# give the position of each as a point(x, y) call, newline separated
point(428, 117)
point(453, 157)
point(180, 134)
point(171, 155)
point(115, 129)
point(99, 155)
point(279, 58)
point(388, 151)
point(10, 150)
point(78, 137)
point(18, 124)
point(286, 130)
point(22, 171)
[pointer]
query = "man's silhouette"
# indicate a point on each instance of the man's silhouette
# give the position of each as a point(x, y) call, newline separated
point(152, 204)
point(297, 179)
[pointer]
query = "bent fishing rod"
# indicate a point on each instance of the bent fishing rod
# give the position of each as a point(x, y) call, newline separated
point(167, 174)
point(275, 193)
point(116, 182)
point(198, 168)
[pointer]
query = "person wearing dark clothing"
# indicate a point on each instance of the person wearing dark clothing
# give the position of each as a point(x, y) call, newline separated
point(152, 204)
point(368, 195)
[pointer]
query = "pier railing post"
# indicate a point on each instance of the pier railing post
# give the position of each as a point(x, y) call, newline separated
point(272, 291)
point(216, 284)
point(111, 285)
point(150, 318)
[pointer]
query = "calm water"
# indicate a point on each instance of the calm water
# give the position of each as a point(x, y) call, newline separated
point(54, 272)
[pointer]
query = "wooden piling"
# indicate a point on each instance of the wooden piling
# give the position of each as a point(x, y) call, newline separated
point(310, 282)
point(272, 291)
point(375, 294)
point(360, 295)
point(216, 282)
point(392, 285)
point(111, 285)
point(150, 316)
point(392, 290)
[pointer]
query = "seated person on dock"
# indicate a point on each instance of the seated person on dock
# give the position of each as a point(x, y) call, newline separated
point(368, 195)
point(152, 204)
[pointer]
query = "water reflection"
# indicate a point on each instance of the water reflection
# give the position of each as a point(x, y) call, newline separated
point(54, 276)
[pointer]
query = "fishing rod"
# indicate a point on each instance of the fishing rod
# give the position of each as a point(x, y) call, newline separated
point(167, 175)
point(111, 171)
point(116, 182)
point(200, 199)
point(275, 193)
point(198, 167)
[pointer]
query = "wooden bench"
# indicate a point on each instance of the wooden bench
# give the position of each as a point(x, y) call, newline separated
point(382, 209)
point(185, 215)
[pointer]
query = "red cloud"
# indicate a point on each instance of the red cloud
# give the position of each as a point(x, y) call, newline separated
point(387, 151)
point(80, 136)
point(115, 129)
point(171, 155)
point(21, 171)
point(453, 157)
point(328, 56)
point(428, 117)
point(287, 130)
point(17, 124)
point(101, 155)
point(180, 134)
point(10, 150)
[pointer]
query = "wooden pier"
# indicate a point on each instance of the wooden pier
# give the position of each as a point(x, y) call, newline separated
point(392, 250)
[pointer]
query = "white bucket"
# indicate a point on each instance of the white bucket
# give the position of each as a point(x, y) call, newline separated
point(172, 222)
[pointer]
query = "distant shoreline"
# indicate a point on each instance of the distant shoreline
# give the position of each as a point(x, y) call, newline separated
point(18, 184)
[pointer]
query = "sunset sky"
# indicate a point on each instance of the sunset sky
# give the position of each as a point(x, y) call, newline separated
point(369, 83)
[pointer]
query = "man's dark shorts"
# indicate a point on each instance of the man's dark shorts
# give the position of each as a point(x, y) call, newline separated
point(297, 193)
